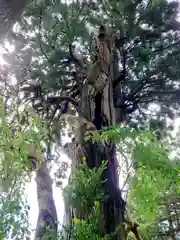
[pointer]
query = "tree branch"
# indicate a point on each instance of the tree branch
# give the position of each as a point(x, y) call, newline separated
point(121, 78)
point(59, 99)
point(164, 48)
point(40, 27)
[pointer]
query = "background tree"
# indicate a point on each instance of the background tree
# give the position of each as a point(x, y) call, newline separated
point(17, 142)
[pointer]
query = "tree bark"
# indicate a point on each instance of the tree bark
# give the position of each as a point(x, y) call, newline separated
point(99, 110)
point(47, 219)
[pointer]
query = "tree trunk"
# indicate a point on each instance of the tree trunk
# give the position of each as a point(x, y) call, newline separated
point(47, 219)
point(99, 110)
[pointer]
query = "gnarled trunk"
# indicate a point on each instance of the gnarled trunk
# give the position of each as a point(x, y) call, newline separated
point(99, 110)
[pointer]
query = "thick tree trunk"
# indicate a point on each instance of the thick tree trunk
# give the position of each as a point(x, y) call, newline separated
point(97, 106)
point(47, 218)
point(10, 12)
point(112, 209)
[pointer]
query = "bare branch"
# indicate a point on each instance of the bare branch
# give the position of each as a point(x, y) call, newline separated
point(59, 99)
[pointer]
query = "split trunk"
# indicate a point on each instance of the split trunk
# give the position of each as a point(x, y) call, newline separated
point(100, 111)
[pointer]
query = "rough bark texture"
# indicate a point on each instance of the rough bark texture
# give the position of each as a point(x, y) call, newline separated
point(99, 109)
point(10, 12)
point(47, 219)
point(46, 227)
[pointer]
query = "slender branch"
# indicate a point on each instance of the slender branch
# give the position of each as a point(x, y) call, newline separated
point(139, 87)
point(40, 28)
point(127, 177)
point(122, 75)
point(164, 48)
point(119, 79)
point(59, 99)
point(131, 48)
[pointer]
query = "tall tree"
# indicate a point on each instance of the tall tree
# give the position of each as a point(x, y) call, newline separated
point(134, 62)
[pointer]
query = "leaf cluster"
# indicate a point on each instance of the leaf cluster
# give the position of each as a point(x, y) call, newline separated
point(85, 188)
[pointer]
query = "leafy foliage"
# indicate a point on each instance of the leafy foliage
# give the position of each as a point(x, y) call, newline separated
point(85, 188)
point(84, 193)
point(155, 171)
point(14, 222)
point(148, 55)
point(155, 174)
point(16, 142)
point(85, 229)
